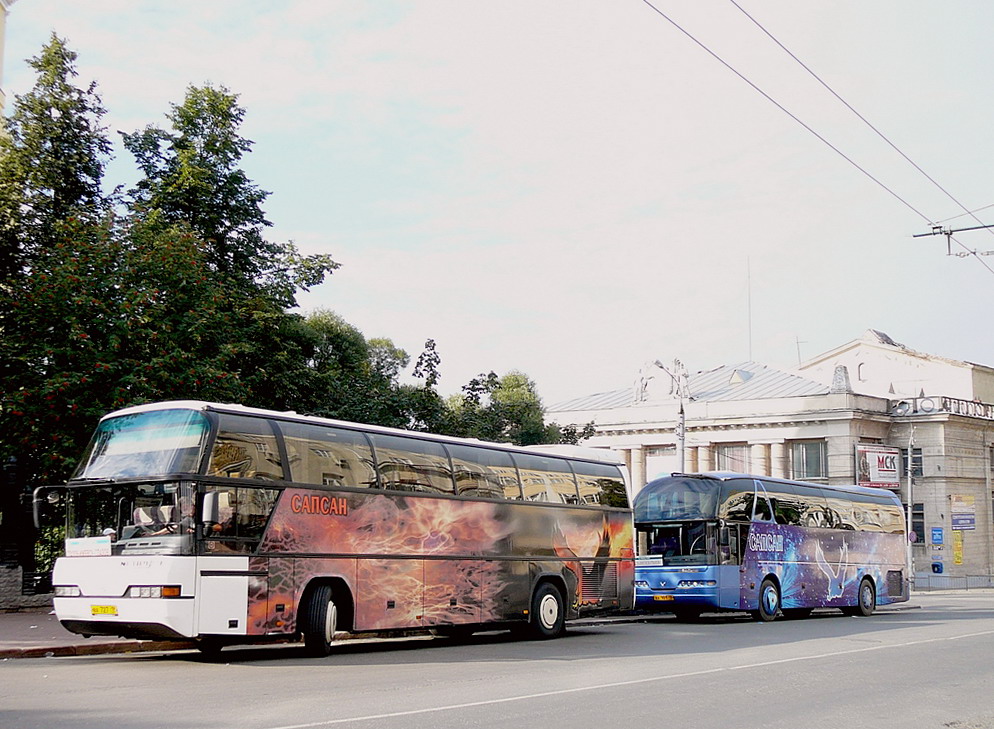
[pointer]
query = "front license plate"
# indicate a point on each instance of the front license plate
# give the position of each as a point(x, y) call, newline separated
point(662, 598)
point(103, 609)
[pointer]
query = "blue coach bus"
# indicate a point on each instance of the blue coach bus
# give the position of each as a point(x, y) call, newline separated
point(724, 541)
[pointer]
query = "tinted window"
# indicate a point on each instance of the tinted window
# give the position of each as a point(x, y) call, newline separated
point(600, 483)
point(245, 448)
point(328, 456)
point(787, 507)
point(411, 464)
point(814, 509)
point(736, 500)
point(677, 498)
point(484, 473)
point(839, 511)
point(242, 516)
point(544, 478)
point(153, 443)
point(763, 510)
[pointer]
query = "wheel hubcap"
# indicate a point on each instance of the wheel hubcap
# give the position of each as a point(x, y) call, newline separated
point(770, 600)
point(330, 622)
point(548, 612)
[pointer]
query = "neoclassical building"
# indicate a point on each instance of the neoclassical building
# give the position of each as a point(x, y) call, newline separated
point(850, 415)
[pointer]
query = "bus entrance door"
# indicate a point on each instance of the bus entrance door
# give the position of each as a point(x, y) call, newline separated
point(730, 571)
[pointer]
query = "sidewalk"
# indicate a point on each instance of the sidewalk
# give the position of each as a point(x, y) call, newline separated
point(38, 634)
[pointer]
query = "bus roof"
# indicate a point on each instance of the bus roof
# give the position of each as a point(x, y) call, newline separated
point(847, 488)
point(579, 453)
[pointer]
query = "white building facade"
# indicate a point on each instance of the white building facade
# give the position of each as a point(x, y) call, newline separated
point(847, 416)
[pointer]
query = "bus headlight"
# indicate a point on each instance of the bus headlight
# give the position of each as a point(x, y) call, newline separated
point(641, 583)
point(688, 584)
point(154, 591)
point(67, 591)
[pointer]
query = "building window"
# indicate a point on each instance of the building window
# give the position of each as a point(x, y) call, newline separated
point(918, 522)
point(807, 459)
point(917, 464)
point(732, 457)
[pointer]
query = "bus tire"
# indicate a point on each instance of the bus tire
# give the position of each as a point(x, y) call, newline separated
point(866, 600)
point(548, 612)
point(319, 621)
point(769, 601)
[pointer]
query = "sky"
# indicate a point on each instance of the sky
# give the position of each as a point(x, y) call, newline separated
point(574, 189)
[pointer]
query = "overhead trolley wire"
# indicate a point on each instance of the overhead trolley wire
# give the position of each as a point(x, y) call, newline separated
point(964, 208)
point(797, 119)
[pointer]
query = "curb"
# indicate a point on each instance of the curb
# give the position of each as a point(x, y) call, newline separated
point(96, 649)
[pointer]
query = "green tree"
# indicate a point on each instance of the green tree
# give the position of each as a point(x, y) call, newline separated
point(502, 409)
point(192, 175)
point(52, 159)
point(110, 316)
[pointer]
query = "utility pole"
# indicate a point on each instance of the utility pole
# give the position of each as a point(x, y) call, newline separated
point(680, 387)
point(911, 506)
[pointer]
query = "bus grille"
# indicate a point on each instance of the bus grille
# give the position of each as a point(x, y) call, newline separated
point(895, 582)
point(600, 581)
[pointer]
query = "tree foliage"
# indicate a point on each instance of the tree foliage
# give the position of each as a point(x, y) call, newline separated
point(192, 176)
point(52, 158)
point(175, 293)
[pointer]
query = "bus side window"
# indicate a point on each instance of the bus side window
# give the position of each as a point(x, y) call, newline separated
point(762, 511)
point(245, 448)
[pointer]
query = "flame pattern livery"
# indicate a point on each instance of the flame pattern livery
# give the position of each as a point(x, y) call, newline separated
point(417, 561)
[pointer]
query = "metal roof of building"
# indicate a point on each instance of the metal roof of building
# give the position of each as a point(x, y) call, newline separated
point(744, 381)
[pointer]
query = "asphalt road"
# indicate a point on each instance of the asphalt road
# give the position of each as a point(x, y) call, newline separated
point(930, 664)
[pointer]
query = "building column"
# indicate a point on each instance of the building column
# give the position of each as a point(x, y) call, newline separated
point(690, 464)
point(704, 461)
point(638, 469)
point(759, 459)
point(778, 460)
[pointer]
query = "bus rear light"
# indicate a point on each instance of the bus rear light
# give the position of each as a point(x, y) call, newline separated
point(67, 591)
point(154, 591)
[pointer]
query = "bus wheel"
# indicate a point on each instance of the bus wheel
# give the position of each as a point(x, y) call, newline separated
point(769, 601)
point(319, 622)
point(866, 600)
point(548, 616)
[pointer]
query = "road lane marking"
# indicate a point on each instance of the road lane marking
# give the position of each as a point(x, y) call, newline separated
point(620, 684)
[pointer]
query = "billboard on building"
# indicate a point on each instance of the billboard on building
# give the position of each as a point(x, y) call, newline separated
point(878, 466)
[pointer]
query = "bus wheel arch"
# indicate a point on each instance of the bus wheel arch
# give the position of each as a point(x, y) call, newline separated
point(547, 616)
point(769, 599)
point(325, 607)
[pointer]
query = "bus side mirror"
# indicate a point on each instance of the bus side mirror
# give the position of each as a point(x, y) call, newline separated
point(724, 538)
point(42, 497)
point(210, 512)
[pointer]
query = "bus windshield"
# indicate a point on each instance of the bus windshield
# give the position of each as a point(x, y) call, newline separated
point(155, 443)
point(681, 543)
point(145, 518)
point(678, 498)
